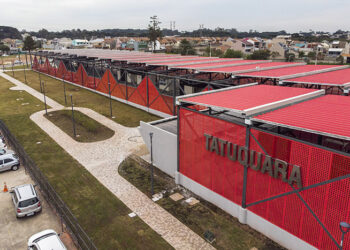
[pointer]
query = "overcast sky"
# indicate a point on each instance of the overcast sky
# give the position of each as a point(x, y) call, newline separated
point(261, 15)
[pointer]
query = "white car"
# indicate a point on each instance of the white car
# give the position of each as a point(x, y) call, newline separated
point(2, 145)
point(46, 240)
point(4, 151)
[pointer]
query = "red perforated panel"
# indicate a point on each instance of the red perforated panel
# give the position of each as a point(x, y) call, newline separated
point(159, 101)
point(330, 202)
point(212, 171)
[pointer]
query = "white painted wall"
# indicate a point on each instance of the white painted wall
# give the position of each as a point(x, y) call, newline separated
point(164, 147)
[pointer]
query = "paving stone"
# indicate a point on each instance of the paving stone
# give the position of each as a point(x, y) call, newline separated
point(192, 201)
point(176, 197)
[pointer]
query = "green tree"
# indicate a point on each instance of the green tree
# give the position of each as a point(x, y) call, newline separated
point(259, 55)
point(214, 52)
point(38, 44)
point(186, 48)
point(274, 54)
point(29, 43)
point(311, 55)
point(230, 53)
point(4, 48)
point(301, 54)
point(290, 57)
point(154, 31)
point(340, 59)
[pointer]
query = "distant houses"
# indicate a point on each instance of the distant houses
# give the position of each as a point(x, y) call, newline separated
point(280, 47)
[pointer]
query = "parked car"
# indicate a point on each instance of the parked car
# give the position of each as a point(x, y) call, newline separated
point(17, 62)
point(5, 151)
point(46, 240)
point(9, 162)
point(25, 200)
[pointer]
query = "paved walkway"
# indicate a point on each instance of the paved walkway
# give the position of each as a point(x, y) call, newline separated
point(102, 160)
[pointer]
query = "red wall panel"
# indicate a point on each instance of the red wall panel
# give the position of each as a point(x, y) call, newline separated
point(330, 202)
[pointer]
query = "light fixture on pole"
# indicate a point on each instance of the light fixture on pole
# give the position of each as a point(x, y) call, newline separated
point(64, 90)
point(344, 228)
point(152, 187)
point(73, 121)
point(43, 87)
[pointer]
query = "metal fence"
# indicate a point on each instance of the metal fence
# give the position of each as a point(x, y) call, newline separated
point(79, 235)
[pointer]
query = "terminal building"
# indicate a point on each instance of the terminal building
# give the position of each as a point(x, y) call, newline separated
point(277, 158)
point(268, 142)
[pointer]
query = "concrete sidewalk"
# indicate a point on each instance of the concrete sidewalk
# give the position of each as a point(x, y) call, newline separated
point(102, 160)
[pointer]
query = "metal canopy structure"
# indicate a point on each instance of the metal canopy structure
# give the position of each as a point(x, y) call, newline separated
point(328, 115)
point(249, 67)
point(250, 99)
point(226, 63)
point(339, 78)
point(153, 80)
point(285, 73)
point(188, 62)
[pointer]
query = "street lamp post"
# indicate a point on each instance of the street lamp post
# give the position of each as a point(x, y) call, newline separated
point(64, 90)
point(344, 228)
point(2, 61)
point(43, 88)
point(152, 186)
point(26, 59)
point(73, 121)
point(110, 99)
point(209, 49)
point(13, 73)
point(25, 76)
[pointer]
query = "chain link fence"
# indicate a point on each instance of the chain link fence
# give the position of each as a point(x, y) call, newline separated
point(78, 234)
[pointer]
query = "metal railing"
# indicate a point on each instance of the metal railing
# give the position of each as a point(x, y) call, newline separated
point(78, 234)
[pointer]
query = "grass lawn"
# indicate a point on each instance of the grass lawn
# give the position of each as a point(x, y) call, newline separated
point(16, 67)
point(11, 58)
point(124, 114)
point(230, 234)
point(103, 216)
point(88, 129)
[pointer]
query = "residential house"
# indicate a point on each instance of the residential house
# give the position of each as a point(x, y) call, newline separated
point(80, 43)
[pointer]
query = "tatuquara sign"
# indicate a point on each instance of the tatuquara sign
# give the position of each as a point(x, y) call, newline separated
point(257, 161)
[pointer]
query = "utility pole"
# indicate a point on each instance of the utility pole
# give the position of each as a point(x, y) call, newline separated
point(13, 73)
point(316, 54)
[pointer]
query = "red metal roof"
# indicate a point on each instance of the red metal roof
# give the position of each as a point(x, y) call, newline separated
point(246, 97)
point(329, 115)
point(338, 78)
point(283, 72)
point(180, 58)
point(188, 61)
point(248, 67)
point(215, 64)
